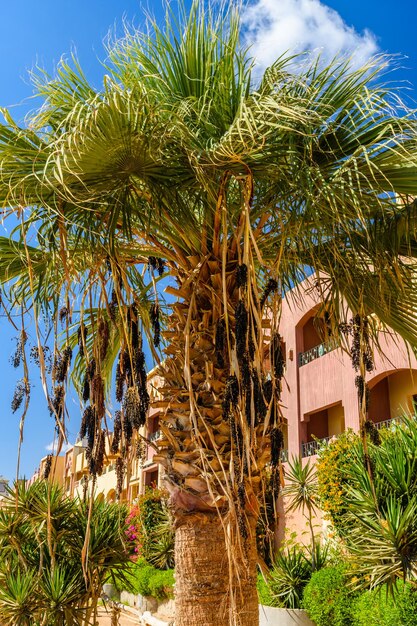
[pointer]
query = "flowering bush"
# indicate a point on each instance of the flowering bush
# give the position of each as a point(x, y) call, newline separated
point(134, 533)
point(149, 530)
point(332, 480)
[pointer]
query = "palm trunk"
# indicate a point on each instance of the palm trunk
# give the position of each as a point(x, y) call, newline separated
point(215, 444)
point(204, 592)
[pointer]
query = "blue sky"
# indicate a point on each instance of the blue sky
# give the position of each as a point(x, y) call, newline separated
point(39, 33)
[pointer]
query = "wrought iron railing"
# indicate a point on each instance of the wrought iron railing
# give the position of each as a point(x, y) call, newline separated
point(315, 353)
point(154, 436)
point(386, 423)
point(310, 448)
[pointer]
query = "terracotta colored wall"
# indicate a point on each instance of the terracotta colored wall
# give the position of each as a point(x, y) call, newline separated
point(329, 380)
point(326, 385)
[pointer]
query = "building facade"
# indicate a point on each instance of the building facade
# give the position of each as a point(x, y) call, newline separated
point(319, 398)
point(70, 470)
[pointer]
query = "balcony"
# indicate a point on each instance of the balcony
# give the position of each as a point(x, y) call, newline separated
point(315, 353)
point(310, 448)
point(387, 423)
point(154, 436)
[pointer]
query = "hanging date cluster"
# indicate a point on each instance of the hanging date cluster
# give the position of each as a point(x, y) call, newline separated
point(131, 388)
point(362, 361)
point(251, 397)
point(93, 395)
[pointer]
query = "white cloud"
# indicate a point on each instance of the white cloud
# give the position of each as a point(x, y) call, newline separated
point(274, 27)
point(51, 447)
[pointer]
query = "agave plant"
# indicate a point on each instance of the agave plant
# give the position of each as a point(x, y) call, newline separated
point(183, 167)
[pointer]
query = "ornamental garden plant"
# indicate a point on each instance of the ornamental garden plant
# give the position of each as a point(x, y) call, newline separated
point(46, 577)
point(150, 540)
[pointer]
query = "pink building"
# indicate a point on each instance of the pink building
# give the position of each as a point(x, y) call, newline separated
point(319, 398)
point(319, 395)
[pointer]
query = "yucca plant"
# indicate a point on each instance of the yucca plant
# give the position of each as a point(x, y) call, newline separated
point(291, 571)
point(160, 546)
point(44, 579)
point(378, 520)
point(183, 167)
point(18, 600)
point(302, 494)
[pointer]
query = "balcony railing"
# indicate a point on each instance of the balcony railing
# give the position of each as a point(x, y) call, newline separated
point(154, 436)
point(315, 353)
point(386, 423)
point(312, 447)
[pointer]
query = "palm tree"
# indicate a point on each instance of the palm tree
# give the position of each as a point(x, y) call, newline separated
point(233, 191)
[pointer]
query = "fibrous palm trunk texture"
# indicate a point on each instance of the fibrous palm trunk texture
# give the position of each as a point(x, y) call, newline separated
point(218, 410)
point(203, 591)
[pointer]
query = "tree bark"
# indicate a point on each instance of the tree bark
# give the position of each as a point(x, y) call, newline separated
point(205, 594)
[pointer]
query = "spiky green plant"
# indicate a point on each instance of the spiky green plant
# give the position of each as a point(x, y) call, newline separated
point(44, 576)
point(377, 521)
point(302, 494)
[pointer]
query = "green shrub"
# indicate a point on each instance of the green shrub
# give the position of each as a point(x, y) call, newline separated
point(146, 580)
point(142, 576)
point(161, 584)
point(381, 608)
point(264, 593)
point(407, 603)
point(327, 599)
point(332, 481)
point(375, 608)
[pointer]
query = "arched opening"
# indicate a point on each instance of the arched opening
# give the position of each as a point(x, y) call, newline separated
point(313, 331)
point(379, 402)
point(111, 496)
point(313, 336)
